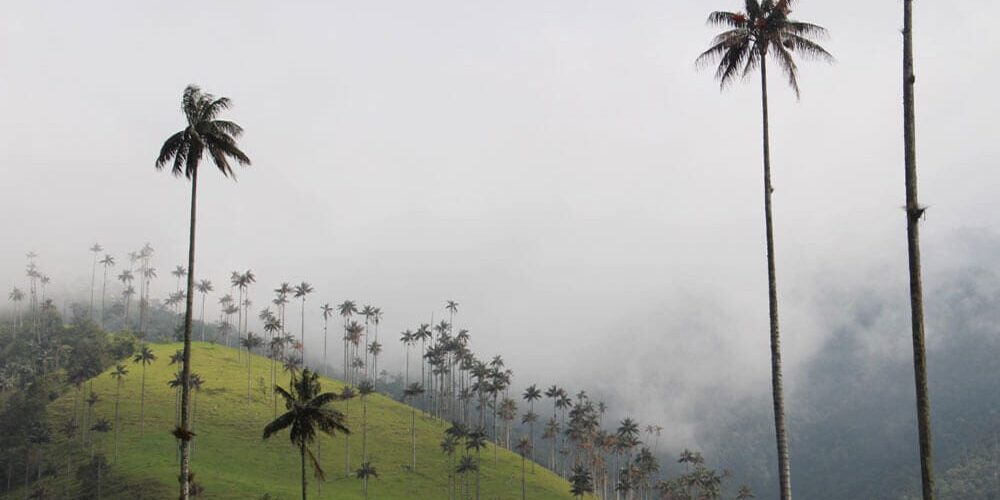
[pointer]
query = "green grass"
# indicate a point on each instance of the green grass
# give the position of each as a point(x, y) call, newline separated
point(232, 461)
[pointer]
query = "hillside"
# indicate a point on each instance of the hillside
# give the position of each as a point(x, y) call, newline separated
point(230, 459)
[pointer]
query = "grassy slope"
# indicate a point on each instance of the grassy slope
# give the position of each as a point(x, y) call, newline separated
point(232, 461)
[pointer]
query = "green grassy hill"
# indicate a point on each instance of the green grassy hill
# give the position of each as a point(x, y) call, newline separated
point(230, 459)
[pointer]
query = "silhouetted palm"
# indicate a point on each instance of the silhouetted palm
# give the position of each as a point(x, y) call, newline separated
point(203, 286)
point(412, 391)
point(108, 262)
point(96, 249)
point(203, 133)
point(327, 313)
point(523, 448)
point(466, 465)
point(476, 440)
point(119, 374)
point(146, 357)
point(581, 482)
point(307, 412)
point(300, 291)
point(366, 471)
point(750, 37)
point(251, 342)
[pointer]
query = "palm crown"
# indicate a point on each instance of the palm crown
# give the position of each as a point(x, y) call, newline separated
point(763, 29)
point(203, 132)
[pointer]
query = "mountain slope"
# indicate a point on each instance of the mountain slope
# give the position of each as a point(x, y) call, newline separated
point(230, 459)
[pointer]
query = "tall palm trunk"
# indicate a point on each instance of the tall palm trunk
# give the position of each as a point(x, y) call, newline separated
point(777, 390)
point(104, 292)
point(185, 435)
point(302, 453)
point(347, 440)
point(413, 436)
point(203, 316)
point(303, 330)
point(118, 390)
point(93, 280)
point(142, 401)
point(913, 215)
point(326, 324)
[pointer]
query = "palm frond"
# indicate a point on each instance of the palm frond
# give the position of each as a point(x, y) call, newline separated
point(227, 127)
point(324, 399)
point(806, 47)
point(173, 146)
point(189, 103)
point(282, 422)
point(213, 107)
point(804, 29)
point(220, 160)
point(787, 64)
point(194, 152)
point(317, 470)
point(723, 18)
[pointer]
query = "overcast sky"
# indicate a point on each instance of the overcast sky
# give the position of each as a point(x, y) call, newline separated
point(560, 168)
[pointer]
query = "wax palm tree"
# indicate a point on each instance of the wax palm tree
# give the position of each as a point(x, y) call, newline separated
point(466, 465)
point(299, 292)
point(16, 296)
point(126, 278)
point(745, 493)
point(365, 389)
point(532, 394)
point(250, 343)
point(580, 480)
point(307, 412)
point(96, 249)
point(327, 310)
point(203, 287)
point(523, 448)
point(179, 272)
point(915, 212)
point(412, 391)
point(346, 309)
point(203, 133)
point(448, 446)
point(750, 37)
point(92, 400)
point(119, 374)
point(366, 471)
point(107, 262)
point(346, 395)
point(375, 348)
point(476, 440)
point(145, 357)
point(406, 338)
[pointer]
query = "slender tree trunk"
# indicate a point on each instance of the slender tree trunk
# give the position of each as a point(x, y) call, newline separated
point(913, 214)
point(524, 488)
point(203, 316)
point(142, 400)
point(93, 280)
point(302, 453)
point(413, 436)
point(118, 390)
point(347, 441)
point(303, 328)
point(777, 390)
point(186, 370)
point(104, 293)
point(325, 338)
